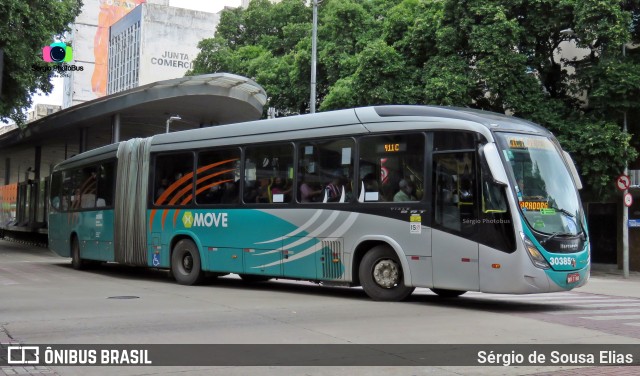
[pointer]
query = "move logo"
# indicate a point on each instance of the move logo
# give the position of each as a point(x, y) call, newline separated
point(187, 219)
point(204, 219)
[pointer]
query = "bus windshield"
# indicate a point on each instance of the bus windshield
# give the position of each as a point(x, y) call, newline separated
point(544, 188)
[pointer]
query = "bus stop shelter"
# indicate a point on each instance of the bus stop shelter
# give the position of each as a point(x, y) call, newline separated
point(28, 154)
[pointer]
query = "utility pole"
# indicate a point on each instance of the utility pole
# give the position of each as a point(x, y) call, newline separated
point(625, 208)
point(314, 36)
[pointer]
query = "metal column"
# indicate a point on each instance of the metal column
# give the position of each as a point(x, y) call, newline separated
point(115, 128)
point(82, 143)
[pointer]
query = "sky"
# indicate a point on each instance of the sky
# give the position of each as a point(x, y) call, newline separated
point(203, 5)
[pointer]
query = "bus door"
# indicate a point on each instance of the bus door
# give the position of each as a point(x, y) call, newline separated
point(454, 248)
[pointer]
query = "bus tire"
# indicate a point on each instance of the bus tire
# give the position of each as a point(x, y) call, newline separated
point(381, 275)
point(76, 261)
point(253, 278)
point(185, 263)
point(444, 293)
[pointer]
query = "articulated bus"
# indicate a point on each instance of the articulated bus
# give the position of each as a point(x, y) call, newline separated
point(389, 198)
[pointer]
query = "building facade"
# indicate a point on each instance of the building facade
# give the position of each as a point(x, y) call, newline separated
point(132, 47)
point(155, 42)
point(41, 110)
point(89, 38)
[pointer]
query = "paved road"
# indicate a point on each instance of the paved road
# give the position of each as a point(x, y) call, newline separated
point(42, 300)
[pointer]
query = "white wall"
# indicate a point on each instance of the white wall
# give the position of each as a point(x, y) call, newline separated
point(170, 37)
point(90, 38)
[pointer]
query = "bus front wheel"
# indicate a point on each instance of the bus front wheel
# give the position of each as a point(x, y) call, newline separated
point(381, 275)
point(185, 263)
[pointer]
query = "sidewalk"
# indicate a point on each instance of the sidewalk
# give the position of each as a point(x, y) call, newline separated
point(5, 341)
point(609, 280)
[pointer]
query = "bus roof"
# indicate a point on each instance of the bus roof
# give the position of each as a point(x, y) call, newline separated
point(361, 120)
point(91, 156)
point(349, 121)
point(491, 120)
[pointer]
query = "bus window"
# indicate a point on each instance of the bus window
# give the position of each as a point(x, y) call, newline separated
point(73, 184)
point(325, 171)
point(87, 188)
point(493, 196)
point(56, 190)
point(173, 185)
point(269, 173)
point(106, 180)
point(497, 231)
point(218, 175)
point(449, 140)
point(391, 168)
point(455, 200)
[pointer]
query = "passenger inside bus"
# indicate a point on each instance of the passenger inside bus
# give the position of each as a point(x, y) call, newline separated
point(406, 191)
point(333, 189)
point(213, 195)
point(164, 184)
point(308, 193)
point(230, 193)
point(371, 187)
point(263, 191)
point(280, 190)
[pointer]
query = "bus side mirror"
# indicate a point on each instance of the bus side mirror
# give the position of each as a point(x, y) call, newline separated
point(572, 168)
point(490, 155)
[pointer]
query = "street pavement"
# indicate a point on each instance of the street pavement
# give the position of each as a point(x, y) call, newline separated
point(606, 310)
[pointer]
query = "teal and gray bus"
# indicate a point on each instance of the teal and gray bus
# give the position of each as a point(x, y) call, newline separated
point(389, 198)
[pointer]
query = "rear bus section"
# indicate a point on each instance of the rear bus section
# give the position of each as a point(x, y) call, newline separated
point(81, 200)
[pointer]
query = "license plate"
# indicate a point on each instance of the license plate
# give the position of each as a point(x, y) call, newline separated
point(573, 277)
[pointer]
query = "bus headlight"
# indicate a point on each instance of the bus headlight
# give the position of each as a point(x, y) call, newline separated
point(534, 254)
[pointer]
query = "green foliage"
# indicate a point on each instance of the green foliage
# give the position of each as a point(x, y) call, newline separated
point(487, 54)
point(26, 27)
point(602, 149)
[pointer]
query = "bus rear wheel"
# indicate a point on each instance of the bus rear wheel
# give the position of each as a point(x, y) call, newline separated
point(381, 275)
point(444, 293)
point(185, 263)
point(76, 262)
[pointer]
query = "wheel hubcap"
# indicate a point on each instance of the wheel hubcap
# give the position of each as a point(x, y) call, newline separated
point(386, 273)
point(187, 262)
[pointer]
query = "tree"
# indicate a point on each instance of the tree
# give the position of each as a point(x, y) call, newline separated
point(25, 28)
point(485, 54)
point(261, 42)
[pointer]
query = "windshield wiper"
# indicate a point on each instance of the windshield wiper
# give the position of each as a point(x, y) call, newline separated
point(543, 241)
point(573, 218)
point(565, 212)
